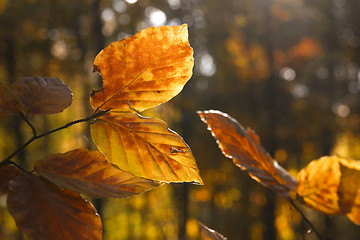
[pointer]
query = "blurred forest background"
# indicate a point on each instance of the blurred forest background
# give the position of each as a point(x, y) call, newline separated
point(288, 69)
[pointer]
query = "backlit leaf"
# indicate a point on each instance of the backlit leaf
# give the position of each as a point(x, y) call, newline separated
point(7, 173)
point(144, 147)
point(9, 104)
point(209, 234)
point(42, 95)
point(144, 70)
point(244, 148)
point(319, 183)
point(331, 185)
point(43, 211)
point(88, 172)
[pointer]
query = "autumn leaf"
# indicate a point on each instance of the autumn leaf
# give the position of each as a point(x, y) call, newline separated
point(244, 148)
point(7, 173)
point(9, 104)
point(210, 234)
point(145, 147)
point(319, 183)
point(331, 185)
point(88, 172)
point(144, 70)
point(43, 211)
point(42, 95)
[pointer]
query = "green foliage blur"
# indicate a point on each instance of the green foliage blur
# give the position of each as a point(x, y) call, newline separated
point(288, 69)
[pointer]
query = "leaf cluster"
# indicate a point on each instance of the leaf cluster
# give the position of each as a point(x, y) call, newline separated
point(330, 184)
point(135, 153)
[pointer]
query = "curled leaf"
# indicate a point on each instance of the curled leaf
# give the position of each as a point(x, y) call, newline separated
point(144, 70)
point(43, 211)
point(7, 173)
point(332, 185)
point(9, 104)
point(42, 95)
point(144, 147)
point(244, 148)
point(88, 172)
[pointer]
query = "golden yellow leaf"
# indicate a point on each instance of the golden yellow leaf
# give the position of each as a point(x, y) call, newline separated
point(145, 147)
point(43, 211)
point(331, 185)
point(88, 172)
point(319, 183)
point(244, 148)
point(42, 95)
point(144, 70)
point(7, 173)
point(9, 104)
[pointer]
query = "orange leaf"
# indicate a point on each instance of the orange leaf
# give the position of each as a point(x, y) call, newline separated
point(144, 147)
point(9, 104)
point(144, 70)
point(319, 183)
point(7, 173)
point(244, 148)
point(331, 185)
point(43, 211)
point(42, 95)
point(88, 172)
point(209, 234)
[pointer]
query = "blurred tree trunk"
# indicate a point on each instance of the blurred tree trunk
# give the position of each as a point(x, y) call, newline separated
point(272, 111)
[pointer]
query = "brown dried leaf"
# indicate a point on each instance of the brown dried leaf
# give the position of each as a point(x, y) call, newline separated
point(88, 172)
point(210, 234)
point(9, 104)
point(43, 211)
point(7, 173)
point(244, 148)
point(144, 70)
point(145, 147)
point(42, 95)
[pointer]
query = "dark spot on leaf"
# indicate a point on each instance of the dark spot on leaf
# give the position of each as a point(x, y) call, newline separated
point(177, 150)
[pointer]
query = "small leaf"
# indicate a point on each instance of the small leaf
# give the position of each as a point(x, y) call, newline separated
point(43, 211)
point(7, 173)
point(319, 183)
point(88, 172)
point(244, 148)
point(144, 147)
point(332, 185)
point(42, 95)
point(144, 70)
point(209, 234)
point(9, 104)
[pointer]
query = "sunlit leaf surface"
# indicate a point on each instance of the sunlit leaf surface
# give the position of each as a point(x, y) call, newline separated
point(7, 173)
point(144, 70)
point(331, 185)
point(88, 172)
point(144, 147)
point(209, 234)
point(244, 148)
point(42, 95)
point(43, 211)
point(9, 104)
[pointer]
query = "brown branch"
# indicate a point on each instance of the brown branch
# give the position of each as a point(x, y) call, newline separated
point(94, 115)
point(312, 227)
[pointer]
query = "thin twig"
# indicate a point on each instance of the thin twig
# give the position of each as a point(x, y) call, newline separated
point(312, 227)
point(95, 115)
point(26, 119)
